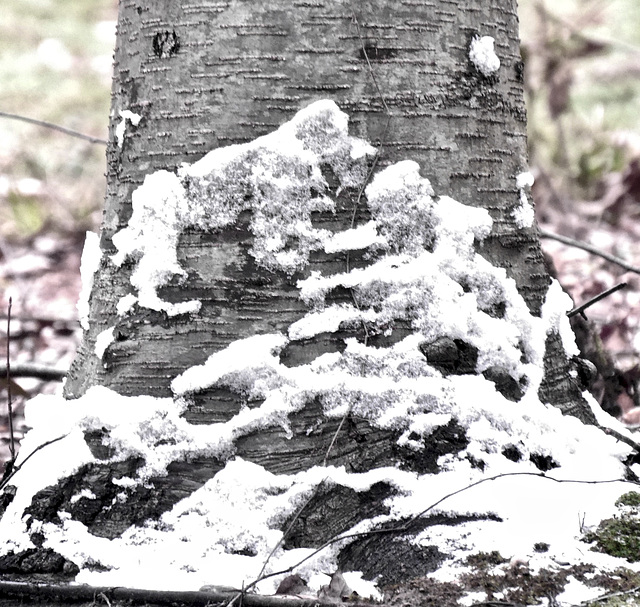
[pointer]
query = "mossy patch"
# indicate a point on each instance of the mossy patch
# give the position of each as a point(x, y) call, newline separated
point(619, 536)
point(423, 592)
point(512, 584)
point(485, 560)
point(516, 583)
point(631, 499)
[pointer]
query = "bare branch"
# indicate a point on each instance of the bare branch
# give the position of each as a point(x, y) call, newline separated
point(13, 470)
point(39, 371)
point(591, 249)
point(610, 595)
point(64, 594)
point(621, 437)
point(55, 127)
point(580, 309)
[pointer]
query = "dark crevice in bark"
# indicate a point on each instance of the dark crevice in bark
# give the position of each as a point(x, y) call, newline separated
point(214, 405)
point(446, 439)
point(116, 507)
point(334, 510)
point(451, 356)
point(558, 386)
point(305, 351)
point(391, 557)
point(505, 384)
point(38, 561)
point(359, 446)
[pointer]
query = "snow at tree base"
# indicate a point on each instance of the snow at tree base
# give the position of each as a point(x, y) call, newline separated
point(422, 272)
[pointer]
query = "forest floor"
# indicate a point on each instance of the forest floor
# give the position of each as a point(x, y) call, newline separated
point(583, 95)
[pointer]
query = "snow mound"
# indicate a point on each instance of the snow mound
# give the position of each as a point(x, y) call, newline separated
point(462, 352)
point(278, 177)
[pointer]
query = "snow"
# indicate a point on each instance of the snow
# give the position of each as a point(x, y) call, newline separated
point(153, 234)
point(103, 340)
point(277, 176)
point(250, 353)
point(525, 179)
point(125, 304)
point(239, 509)
point(353, 239)
point(483, 56)
point(125, 115)
point(524, 213)
point(424, 271)
point(577, 593)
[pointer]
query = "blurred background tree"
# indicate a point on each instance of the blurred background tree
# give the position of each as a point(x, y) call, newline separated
point(582, 78)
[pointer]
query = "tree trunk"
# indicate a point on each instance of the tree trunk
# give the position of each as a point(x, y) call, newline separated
point(206, 75)
point(219, 75)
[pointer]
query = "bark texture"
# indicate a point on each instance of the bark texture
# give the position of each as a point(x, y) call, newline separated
point(210, 74)
point(219, 73)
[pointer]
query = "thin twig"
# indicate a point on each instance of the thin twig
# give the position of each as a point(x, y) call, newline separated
point(14, 470)
point(406, 526)
point(366, 57)
point(43, 320)
point(335, 436)
point(12, 444)
point(297, 515)
point(580, 309)
point(287, 531)
point(105, 598)
point(590, 39)
point(30, 593)
point(374, 164)
point(587, 247)
point(383, 137)
point(55, 127)
point(608, 596)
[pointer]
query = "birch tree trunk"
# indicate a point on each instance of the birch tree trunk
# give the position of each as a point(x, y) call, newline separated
point(210, 74)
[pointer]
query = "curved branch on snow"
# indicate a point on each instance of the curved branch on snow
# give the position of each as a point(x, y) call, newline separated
point(405, 526)
point(11, 470)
